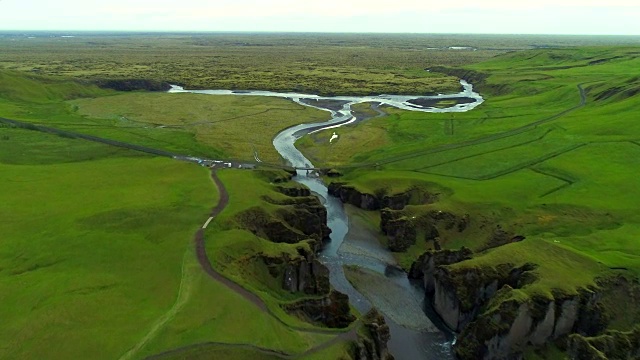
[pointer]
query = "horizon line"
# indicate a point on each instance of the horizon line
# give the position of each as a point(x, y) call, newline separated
point(157, 31)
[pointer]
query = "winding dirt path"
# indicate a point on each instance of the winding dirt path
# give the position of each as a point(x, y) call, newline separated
point(203, 258)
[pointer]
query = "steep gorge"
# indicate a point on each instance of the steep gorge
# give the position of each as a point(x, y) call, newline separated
point(487, 306)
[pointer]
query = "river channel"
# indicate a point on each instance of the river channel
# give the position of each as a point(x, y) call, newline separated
point(414, 333)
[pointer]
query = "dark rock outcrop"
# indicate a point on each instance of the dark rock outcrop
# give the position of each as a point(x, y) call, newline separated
point(294, 191)
point(266, 226)
point(448, 220)
point(332, 311)
point(133, 84)
point(373, 346)
point(300, 219)
point(400, 230)
point(501, 237)
point(463, 223)
point(309, 217)
point(425, 266)
point(333, 173)
point(301, 274)
point(350, 195)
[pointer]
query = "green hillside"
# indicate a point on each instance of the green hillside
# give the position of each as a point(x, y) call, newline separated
point(552, 156)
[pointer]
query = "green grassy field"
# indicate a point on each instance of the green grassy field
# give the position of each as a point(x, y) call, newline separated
point(92, 251)
point(219, 122)
point(108, 213)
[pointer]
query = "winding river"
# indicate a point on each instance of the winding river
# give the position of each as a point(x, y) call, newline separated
point(413, 333)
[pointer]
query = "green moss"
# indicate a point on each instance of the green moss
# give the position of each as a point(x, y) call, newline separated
point(611, 345)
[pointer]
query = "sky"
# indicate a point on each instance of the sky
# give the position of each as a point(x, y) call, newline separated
point(604, 17)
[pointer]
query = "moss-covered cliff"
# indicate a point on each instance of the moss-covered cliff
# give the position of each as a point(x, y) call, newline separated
point(498, 311)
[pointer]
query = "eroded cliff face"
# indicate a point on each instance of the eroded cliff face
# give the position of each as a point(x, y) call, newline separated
point(504, 330)
point(456, 305)
point(494, 320)
point(294, 191)
point(303, 274)
point(306, 275)
point(372, 343)
point(460, 293)
point(401, 225)
point(424, 268)
point(331, 311)
point(399, 228)
point(492, 306)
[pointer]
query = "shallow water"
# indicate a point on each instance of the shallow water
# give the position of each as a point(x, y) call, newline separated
point(413, 335)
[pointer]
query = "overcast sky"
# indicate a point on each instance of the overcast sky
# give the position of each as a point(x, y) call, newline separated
point(416, 16)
